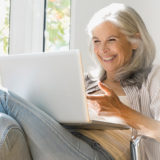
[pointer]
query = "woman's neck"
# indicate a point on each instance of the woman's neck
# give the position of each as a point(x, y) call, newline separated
point(115, 86)
point(110, 76)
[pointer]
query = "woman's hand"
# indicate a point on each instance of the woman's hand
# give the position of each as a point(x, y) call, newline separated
point(107, 104)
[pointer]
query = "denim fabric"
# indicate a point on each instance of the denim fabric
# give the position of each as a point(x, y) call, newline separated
point(47, 139)
point(93, 144)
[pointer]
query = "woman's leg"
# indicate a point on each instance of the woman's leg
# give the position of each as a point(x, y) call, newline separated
point(47, 139)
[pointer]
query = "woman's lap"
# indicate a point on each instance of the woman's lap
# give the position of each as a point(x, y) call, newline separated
point(46, 136)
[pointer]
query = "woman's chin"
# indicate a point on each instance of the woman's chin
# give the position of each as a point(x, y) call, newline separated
point(109, 69)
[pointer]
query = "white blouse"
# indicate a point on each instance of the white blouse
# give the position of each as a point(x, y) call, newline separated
point(124, 100)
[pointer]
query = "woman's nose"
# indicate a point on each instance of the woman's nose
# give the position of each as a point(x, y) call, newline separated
point(104, 48)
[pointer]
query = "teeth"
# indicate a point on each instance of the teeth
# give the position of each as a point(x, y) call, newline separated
point(107, 59)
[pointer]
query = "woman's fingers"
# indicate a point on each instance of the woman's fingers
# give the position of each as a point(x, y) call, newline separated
point(98, 105)
point(92, 104)
point(104, 88)
point(109, 92)
point(95, 97)
point(106, 103)
point(105, 113)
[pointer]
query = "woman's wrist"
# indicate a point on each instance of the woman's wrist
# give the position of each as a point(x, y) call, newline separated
point(130, 117)
point(144, 125)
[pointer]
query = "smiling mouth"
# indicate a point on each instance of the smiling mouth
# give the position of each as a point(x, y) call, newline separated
point(109, 59)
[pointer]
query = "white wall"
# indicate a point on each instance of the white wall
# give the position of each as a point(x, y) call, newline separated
point(82, 10)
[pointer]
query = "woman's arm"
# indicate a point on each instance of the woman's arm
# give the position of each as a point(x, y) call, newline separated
point(108, 104)
point(144, 125)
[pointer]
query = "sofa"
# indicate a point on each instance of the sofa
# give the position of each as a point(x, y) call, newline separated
point(13, 144)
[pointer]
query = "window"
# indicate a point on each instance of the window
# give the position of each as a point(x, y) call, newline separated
point(4, 25)
point(57, 27)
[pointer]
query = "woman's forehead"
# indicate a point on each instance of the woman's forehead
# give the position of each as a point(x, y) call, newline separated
point(106, 29)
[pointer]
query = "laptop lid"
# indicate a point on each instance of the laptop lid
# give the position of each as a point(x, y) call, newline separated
point(52, 81)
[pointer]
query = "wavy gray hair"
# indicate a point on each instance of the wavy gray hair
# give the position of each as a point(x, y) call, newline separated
point(130, 23)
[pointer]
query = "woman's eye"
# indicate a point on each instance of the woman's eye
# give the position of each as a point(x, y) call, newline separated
point(112, 39)
point(96, 41)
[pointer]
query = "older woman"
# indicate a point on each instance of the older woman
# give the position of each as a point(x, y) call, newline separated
point(125, 51)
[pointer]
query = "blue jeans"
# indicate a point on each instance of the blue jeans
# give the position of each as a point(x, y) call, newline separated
point(46, 138)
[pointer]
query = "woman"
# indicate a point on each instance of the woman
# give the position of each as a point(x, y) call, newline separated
point(126, 52)
point(120, 39)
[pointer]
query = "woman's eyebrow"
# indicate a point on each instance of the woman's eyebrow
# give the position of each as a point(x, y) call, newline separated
point(94, 37)
point(113, 36)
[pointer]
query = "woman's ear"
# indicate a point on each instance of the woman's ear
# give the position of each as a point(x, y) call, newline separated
point(135, 44)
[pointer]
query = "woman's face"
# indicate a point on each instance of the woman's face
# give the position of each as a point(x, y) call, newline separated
point(111, 46)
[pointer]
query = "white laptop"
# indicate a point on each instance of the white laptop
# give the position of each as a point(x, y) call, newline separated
point(53, 82)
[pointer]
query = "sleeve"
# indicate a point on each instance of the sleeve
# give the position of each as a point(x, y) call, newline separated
point(154, 89)
point(90, 84)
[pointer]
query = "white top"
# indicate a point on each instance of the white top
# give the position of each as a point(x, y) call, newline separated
point(145, 100)
point(124, 100)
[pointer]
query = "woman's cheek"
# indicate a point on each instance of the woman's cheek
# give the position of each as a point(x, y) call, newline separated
point(96, 50)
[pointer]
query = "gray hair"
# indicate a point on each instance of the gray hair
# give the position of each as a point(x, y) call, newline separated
point(130, 23)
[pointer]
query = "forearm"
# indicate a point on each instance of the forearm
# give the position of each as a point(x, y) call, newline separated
point(144, 125)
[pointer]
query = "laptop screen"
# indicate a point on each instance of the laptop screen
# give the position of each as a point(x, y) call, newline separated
point(51, 81)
